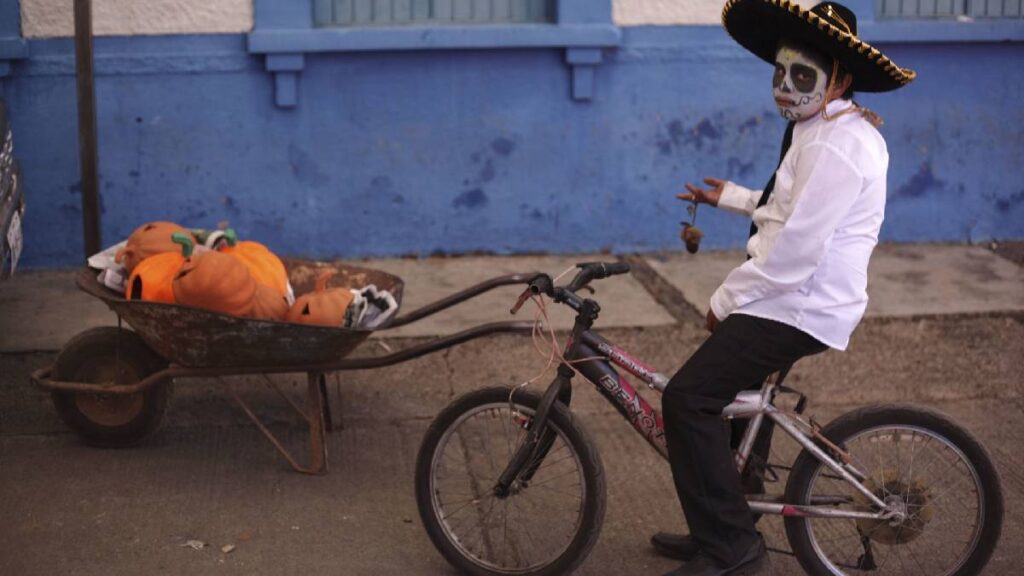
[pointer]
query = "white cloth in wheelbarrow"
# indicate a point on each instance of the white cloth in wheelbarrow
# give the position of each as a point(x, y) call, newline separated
point(371, 307)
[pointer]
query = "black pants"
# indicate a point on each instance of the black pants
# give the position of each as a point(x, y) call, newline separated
point(740, 354)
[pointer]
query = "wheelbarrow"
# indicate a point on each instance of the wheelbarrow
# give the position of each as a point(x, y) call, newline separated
point(111, 385)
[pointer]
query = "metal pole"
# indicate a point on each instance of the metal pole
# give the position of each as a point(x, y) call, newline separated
point(87, 146)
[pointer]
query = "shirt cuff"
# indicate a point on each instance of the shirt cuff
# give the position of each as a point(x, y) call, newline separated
point(720, 304)
point(737, 199)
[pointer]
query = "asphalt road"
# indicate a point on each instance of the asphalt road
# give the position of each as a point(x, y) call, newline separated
point(209, 476)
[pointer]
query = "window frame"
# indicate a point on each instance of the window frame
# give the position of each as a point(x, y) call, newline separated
point(285, 30)
point(12, 45)
point(919, 30)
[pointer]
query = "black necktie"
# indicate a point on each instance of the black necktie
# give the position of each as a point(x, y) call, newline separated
point(787, 139)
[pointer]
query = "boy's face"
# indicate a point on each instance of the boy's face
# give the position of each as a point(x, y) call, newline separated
point(800, 81)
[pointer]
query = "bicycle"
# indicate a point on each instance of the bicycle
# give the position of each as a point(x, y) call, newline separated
point(508, 482)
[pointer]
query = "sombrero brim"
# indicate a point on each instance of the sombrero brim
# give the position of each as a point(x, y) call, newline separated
point(759, 25)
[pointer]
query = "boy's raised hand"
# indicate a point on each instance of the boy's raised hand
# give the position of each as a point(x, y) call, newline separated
point(702, 196)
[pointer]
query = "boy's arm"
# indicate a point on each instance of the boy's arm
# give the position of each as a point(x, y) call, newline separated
point(737, 199)
point(826, 185)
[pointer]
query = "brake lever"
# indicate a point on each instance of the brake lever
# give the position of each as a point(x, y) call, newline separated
point(588, 288)
point(519, 303)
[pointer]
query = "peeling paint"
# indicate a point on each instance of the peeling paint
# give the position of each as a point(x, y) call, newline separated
point(705, 129)
point(305, 168)
point(381, 185)
point(921, 183)
point(749, 123)
point(676, 131)
point(737, 167)
point(487, 173)
point(1010, 202)
point(472, 199)
point(503, 146)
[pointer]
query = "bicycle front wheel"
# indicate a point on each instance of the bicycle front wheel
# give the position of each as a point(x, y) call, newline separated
point(549, 520)
point(920, 463)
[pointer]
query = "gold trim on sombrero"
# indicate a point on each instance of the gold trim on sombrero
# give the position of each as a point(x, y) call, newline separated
point(832, 14)
point(902, 75)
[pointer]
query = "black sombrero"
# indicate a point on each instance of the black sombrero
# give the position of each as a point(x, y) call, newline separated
point(759, 25)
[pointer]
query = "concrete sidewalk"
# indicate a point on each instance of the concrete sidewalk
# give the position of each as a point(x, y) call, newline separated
point(41, 310)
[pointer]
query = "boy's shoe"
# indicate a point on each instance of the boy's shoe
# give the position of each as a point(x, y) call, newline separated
point(678, 546)
point(701, 565)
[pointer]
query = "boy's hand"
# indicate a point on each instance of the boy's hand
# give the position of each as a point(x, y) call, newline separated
point(712, 321)
point(700, 195)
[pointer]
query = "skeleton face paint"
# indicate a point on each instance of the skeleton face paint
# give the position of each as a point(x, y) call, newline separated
point(800, 82)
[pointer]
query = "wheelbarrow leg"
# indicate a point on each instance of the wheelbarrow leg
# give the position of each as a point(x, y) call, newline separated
point(313, 415)
point(317, 410)
point(328, 421)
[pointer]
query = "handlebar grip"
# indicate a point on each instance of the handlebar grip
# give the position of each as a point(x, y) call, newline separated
point(613, 268)
point(601, 270)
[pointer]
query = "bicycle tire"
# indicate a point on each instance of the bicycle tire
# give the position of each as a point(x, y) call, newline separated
point(571, 437)
point(921, 494)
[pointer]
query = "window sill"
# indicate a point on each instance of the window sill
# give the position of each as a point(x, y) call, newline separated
point(285, 48)
point(433, 38)
point(11, 49)
point(919, 31)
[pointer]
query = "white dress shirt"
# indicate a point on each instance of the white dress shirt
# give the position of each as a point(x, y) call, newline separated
point(809, 258)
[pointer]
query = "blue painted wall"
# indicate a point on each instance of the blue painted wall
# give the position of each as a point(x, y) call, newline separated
point(392, 153)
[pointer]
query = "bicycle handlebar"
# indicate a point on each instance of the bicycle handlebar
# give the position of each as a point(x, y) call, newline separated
point(595, 271)
point(589, 271)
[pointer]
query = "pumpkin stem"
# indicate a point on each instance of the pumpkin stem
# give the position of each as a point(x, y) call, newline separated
point(186, 243)
point(321, 280)
point(231, 236)
point(201, 234)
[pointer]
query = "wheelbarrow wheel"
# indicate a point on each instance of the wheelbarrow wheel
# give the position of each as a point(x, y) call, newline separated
point(113, 356)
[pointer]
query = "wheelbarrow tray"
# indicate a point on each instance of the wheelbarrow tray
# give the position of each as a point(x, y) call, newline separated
point(196, 338)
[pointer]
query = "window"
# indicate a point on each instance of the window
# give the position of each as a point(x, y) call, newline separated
point(948, 9)
point(431, 12)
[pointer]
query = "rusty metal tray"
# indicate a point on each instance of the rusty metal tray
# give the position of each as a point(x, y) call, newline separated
point(196, 338)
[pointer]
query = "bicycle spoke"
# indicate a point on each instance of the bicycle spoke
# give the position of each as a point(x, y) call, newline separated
point(547, 463)
point(558, 504)
point(553, 478)
point(932, 481)
point(527, 529)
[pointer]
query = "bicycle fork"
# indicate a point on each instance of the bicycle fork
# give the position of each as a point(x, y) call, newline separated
point(539, 438)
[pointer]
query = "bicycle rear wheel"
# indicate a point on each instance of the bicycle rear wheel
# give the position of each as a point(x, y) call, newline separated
point(917, 461)
point(546, 525)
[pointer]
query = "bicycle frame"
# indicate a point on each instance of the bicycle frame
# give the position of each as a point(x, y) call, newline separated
point(594, 357)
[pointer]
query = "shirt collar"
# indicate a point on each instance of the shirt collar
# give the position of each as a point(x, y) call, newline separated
point(832, 108)
point(836, 106)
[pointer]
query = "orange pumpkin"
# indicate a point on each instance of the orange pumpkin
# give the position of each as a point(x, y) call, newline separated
point(151, 279)
point(268, 304)
point(323, 306)
point(265, 267)
point(148, 240)
point(217, 282)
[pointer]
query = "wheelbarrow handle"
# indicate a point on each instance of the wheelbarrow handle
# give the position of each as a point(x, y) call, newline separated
point(42, 378)
point(459, 297)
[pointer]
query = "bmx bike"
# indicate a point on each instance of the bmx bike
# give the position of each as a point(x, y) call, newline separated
point(509, 482)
